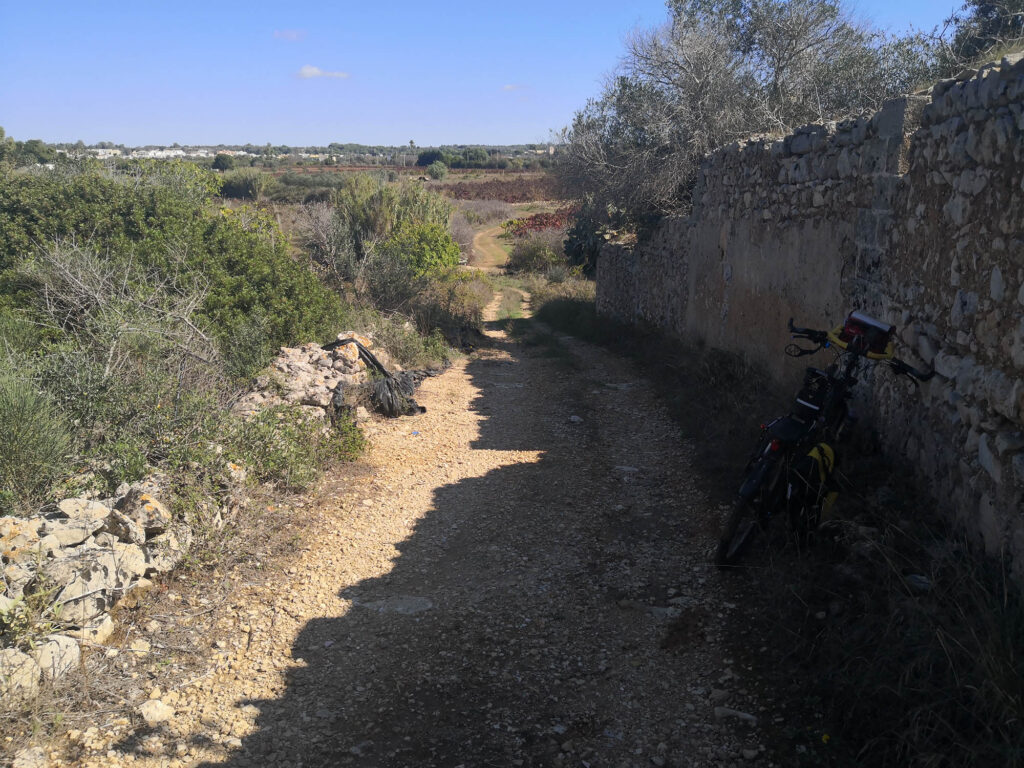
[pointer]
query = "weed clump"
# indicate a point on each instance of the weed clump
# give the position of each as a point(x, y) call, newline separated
point(285, 447)
point(36, 445)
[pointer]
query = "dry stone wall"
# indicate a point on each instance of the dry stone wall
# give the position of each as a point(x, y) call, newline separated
point(914, 214)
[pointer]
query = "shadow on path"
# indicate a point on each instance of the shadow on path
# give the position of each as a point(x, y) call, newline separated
point(545, 613)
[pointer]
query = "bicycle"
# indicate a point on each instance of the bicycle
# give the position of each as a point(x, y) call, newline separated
point(790, 471)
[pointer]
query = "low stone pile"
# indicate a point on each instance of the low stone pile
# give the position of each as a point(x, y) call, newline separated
point(67, 568)
point(312, 378)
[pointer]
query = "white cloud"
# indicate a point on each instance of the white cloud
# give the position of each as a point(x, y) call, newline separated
point(512, 87)
point(309, 71)
point(291, 35)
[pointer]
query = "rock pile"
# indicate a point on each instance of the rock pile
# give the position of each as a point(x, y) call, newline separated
point(72, 565)
point(311, 377)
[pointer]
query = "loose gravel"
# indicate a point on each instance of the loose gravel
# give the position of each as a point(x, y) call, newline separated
point(519, 578)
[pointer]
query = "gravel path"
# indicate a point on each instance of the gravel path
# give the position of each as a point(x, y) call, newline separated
point(519, 579)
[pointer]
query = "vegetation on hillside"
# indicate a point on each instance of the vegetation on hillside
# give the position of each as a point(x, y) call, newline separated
point(131, 311)
point(134, 307)
point(392, 246)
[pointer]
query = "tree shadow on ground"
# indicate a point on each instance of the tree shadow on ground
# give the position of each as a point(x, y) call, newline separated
point(521, 623)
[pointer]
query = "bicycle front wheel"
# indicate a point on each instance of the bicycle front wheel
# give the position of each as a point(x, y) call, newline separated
point(750, 513)
point(740, 529)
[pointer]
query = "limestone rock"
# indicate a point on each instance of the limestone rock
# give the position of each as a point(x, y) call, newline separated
point(57, 656)
point(17, 578)
point(83, 509)
point(98, 632)
point(19, 674)
point(146, 511)
point(71, 533)
point(19, 540)
point(31, 757)
point(124, 528)
point(165, 551)
point(98, 583)
point(155, 712)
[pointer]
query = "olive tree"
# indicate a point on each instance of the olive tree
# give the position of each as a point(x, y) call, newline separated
point(720, 70)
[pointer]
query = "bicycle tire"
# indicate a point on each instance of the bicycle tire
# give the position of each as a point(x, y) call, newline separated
point(750, 513)
point(740, 528)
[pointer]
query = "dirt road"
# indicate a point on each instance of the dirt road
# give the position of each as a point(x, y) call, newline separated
point(519, 579)
point(488, 255)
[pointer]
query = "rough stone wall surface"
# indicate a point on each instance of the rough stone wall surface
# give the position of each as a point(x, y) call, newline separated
point(915, 215)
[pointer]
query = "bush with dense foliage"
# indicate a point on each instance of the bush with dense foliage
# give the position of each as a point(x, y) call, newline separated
point(537, 252)
point(385, 241)
point(131, 309)
point(437, 170)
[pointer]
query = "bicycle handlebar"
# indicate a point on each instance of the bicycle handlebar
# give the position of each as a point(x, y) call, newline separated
point(818, 337)
point(821, 338)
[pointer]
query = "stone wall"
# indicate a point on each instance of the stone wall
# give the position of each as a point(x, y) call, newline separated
point(915, 215)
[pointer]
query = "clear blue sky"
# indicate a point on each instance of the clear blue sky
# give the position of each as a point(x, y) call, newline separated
point(311, 73)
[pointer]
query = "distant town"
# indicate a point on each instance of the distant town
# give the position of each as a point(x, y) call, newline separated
point(334, 154)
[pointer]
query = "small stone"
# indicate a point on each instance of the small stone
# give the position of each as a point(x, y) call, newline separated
point(997, 286)
point(155, 712)
point(139, 646)
point(97, 632)
point(723, 713)
point(749, 754)
point(19, 674)
point(57, 656)
point(575, 419)
point(33, 757)
point(988, 460)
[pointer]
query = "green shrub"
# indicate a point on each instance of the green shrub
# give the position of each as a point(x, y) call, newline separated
point(18, 334)
point(223, 162)
point(453, 302)
point(407, 346)
point(285, 447)
point(154, 220)
point(437, 170)
point(36, 443)
point(248, 184)
point(536, 252)
point(427, 246)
